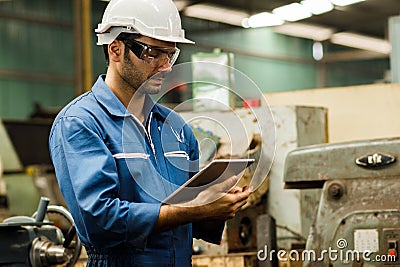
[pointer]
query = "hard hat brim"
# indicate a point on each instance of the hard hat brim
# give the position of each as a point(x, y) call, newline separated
point(108, 36)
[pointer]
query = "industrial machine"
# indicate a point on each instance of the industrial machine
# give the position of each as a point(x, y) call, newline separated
point(273, 218)
point(27, 168)
point(48, 238)
point(357, 222)
point(3, 197)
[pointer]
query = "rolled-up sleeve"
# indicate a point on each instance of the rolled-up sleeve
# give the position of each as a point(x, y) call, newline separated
point(88, 178)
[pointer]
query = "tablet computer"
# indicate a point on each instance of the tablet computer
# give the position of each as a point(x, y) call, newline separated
point(217, 171)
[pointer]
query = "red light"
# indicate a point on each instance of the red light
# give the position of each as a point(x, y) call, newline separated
point(251, 103)
point(392, 252)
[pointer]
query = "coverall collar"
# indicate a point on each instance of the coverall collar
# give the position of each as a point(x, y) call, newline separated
point(113, 105)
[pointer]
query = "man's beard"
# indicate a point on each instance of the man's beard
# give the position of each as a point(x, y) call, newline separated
point(138, 80)
point(153, 84)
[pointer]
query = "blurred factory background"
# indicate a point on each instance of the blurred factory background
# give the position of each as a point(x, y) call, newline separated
point(48, 51)
point(330, 74)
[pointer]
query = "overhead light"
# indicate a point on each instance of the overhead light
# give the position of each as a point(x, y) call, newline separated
point(362, 42)
point(264, 19)
point(345, 2)
point(303, 30)
point(292, 12)
point(215, 13)
point(317, 51)
point(181, 4)
point(317, 7)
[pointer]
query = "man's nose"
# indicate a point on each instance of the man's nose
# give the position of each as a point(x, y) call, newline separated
point(166, 67)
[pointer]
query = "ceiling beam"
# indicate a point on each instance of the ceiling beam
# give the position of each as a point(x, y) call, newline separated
point(352, 55)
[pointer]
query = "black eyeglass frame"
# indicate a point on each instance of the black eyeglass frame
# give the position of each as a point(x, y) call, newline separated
point(142, 50)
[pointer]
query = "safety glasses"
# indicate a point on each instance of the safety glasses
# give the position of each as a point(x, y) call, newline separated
point(156, 56)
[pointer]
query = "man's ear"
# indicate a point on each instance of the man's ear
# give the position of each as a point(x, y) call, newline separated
point(115, 51)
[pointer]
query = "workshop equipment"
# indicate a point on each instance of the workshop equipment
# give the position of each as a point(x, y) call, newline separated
point(3, 194)
point(239, 136)
point(270, 207)
point(28, 170)
point(358, 217)
point(48, 238)
point(296, 126)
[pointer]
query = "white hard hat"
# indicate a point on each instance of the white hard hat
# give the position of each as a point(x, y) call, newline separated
point(158, 19)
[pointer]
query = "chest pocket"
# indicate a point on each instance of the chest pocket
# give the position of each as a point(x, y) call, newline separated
point(178, 164)
point(139, 180)
point(176, 157)
point(132, 164)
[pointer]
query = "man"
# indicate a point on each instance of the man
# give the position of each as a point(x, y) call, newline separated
point(117, 155)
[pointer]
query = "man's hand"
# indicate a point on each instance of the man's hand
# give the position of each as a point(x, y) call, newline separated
point(217, 202)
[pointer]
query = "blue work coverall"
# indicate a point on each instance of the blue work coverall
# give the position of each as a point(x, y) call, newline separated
point(114, 173)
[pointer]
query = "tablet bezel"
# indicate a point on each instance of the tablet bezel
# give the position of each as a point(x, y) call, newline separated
point(212, 173)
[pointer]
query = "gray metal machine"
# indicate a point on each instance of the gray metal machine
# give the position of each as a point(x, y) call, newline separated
point(357, 222)
point(48, 238)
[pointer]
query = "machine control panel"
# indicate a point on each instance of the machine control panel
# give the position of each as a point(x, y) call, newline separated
point(392, 248)
point(391, 240)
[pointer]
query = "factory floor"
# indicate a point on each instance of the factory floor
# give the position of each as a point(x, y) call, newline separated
point(82, 259)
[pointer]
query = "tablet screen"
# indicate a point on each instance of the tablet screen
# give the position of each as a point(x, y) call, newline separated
point(216, 171)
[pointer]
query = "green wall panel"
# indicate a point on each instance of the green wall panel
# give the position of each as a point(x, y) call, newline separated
point(58, 10)
point(277, 62)
point(274, 76)
point(261, 40)
point(37, 47)
point(357, 72)
point(257, 57)
point(36, 55)
point(18, 97)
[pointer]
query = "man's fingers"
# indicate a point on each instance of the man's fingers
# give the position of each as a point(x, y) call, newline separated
point(243, 195)
point(231, 181)
point(237, 208)
point(235, 190)
point(242, 203)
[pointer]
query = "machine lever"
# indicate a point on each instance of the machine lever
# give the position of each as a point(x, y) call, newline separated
point(42, 209)
point(69, 236)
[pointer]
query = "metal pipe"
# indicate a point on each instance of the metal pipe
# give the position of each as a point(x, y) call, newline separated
point(87, 43)
point(321, 74)
point(83, 44)
point(2, 183)
point(394, 37)
point(78, 47)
